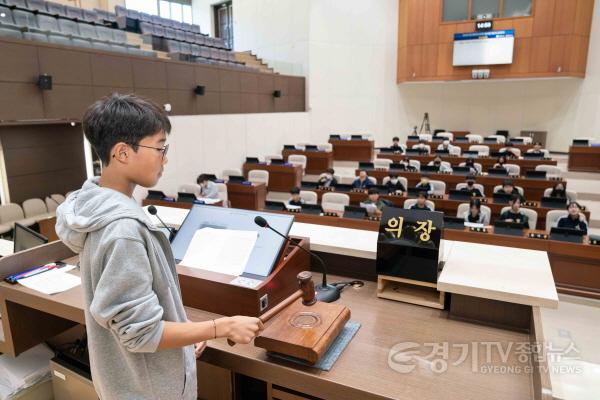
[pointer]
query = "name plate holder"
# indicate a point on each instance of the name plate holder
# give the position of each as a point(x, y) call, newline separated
point(409, 256)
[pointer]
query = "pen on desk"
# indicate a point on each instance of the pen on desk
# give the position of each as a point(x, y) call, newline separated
point(36, 271)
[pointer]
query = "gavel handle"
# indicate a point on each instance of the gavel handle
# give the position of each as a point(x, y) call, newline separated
point(275, 310)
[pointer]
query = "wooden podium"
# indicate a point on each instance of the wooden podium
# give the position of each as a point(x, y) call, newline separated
point(222, 294)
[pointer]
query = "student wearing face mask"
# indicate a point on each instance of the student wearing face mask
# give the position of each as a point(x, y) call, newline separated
point(421, 203)
point(327, 179)
point(394, 185)
point(437, 162)
point(471, 164)
point(559, 191)
point(396, 146)
point(575, 219)
point(475, 192)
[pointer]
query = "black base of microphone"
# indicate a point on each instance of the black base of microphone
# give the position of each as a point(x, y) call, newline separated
point(327, 294)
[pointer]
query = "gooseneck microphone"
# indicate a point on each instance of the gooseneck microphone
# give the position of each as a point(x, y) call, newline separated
point(153, 211)
point(325, 293)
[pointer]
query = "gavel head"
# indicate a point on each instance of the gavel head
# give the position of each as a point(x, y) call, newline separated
point(309, 295)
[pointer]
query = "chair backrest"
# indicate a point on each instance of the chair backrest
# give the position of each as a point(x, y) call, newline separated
point(571, 194)
point(552, 218)
point(222, 193)
point(258, 176)
point(68, 27)
point(546, 152)
point(514, 150)
point(425, 136)
point(190, 188)
point(481, 149)
point(47, 23)
point(373, 180)
point(415, 163)
point(402, 180)
point(325, 147)
point(87, 30)
point(531, 214)
point(273, 157)
point(335, 201)
point(460, 186)
point(485, 211)
point(411, 202)
point(51, 205)
point(59, 198)
point(6, 16)
point(309, 197)
point(455, 150)
point(231, 171)
point(10, 213)
point(446, 164)
point(382, 163)
point(521, 191)
point(422, 146)
point(438, 187)
point(297, 159)
point(34, 207)
point(551, 170)
point(499, 138)
point(473, 138)
point(513, 169)
point(447, 135)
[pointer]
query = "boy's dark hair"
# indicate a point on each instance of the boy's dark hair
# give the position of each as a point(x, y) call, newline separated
point(395, 138)
point(373, 191)
point(295, 190)
point(423, 194)
point(508, 183)
point(570, 203)
point(122, 118)
point(202, 178)
point(330, 170)
point(475, 203)
point(515, 197)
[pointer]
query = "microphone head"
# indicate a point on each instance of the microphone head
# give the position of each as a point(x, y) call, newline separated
point(260, 221)
point(152, 210)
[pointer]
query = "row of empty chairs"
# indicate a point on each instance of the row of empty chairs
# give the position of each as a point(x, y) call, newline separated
point(473, 138)
point(55, 9)
point(158, 31)
point(195, 189)
point(124, 14)
point(32, 211)
point(22, 24)
point(195, 53)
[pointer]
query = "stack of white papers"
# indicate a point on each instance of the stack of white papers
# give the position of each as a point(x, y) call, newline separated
point(30, 367)
point(220, 250)
point(52, 281)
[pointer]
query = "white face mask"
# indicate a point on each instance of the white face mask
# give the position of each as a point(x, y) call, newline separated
point(394, 180)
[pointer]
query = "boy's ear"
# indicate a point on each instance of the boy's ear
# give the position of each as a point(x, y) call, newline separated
point(121, 152)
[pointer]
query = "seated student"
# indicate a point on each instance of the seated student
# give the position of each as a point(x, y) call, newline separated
point(445, 145)
point(559, 191)
point(514, 214)
point(509, 151)
point(500, 163)
point(295, 200)
point(424, 185)
point(394, 185)
point(474, 214)
point(363, 181)
point(437, 162)
point(208, 188)
point(327, 179)
point(376, 201)
point(509, 188)
point(537, 149)
point(471, 164)
point(421, 203)
point(396, 146)
point(575, 218)
point(422, 145)
point(475, 192)
point(405, 164)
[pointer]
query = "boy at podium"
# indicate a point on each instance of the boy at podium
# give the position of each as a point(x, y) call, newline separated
point(139, 338)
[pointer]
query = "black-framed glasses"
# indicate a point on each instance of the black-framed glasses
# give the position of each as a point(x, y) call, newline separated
point(163, 149)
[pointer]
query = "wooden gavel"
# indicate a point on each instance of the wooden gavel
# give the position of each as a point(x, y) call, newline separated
point(306, 291)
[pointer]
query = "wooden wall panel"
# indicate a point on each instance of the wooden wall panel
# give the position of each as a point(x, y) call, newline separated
point(231, 103)
point(551, 42)
point(281, 104)
point(18, 63)
point(296, 86)
point(181, 76)
point(281, 83)
point(159, 96)
point(265, 84)
point(207, 77)
point(249, 102)
point(229, 81)
point(65, 66)
point(249, 83)
point(182, 101)
point(102, 91)
point(67, 101)
point(149, 74)
point(210, 103)
point(266, 103)
point(27, 96)
point(42, 159)
point(111, 71)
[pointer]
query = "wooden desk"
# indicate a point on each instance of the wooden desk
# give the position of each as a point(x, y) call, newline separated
point(486, 162)
point(248, 197)
point(317, 162)
point(584, 159)
point(384, 324)
point(534, 188)
point(47, 228)
point(353, 150)
point(281, 177)
point(465, 146)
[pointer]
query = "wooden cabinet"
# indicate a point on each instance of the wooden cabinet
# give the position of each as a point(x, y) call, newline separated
point(553, 41)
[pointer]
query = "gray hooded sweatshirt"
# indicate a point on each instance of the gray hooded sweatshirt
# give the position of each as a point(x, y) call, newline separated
point(130, 288)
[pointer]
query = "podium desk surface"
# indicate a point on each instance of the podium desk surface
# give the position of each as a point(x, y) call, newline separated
point(172, 216)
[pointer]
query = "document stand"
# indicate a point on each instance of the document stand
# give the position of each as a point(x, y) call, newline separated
point(215, 292)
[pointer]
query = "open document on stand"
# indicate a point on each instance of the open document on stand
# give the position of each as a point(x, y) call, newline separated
point(220, 250)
